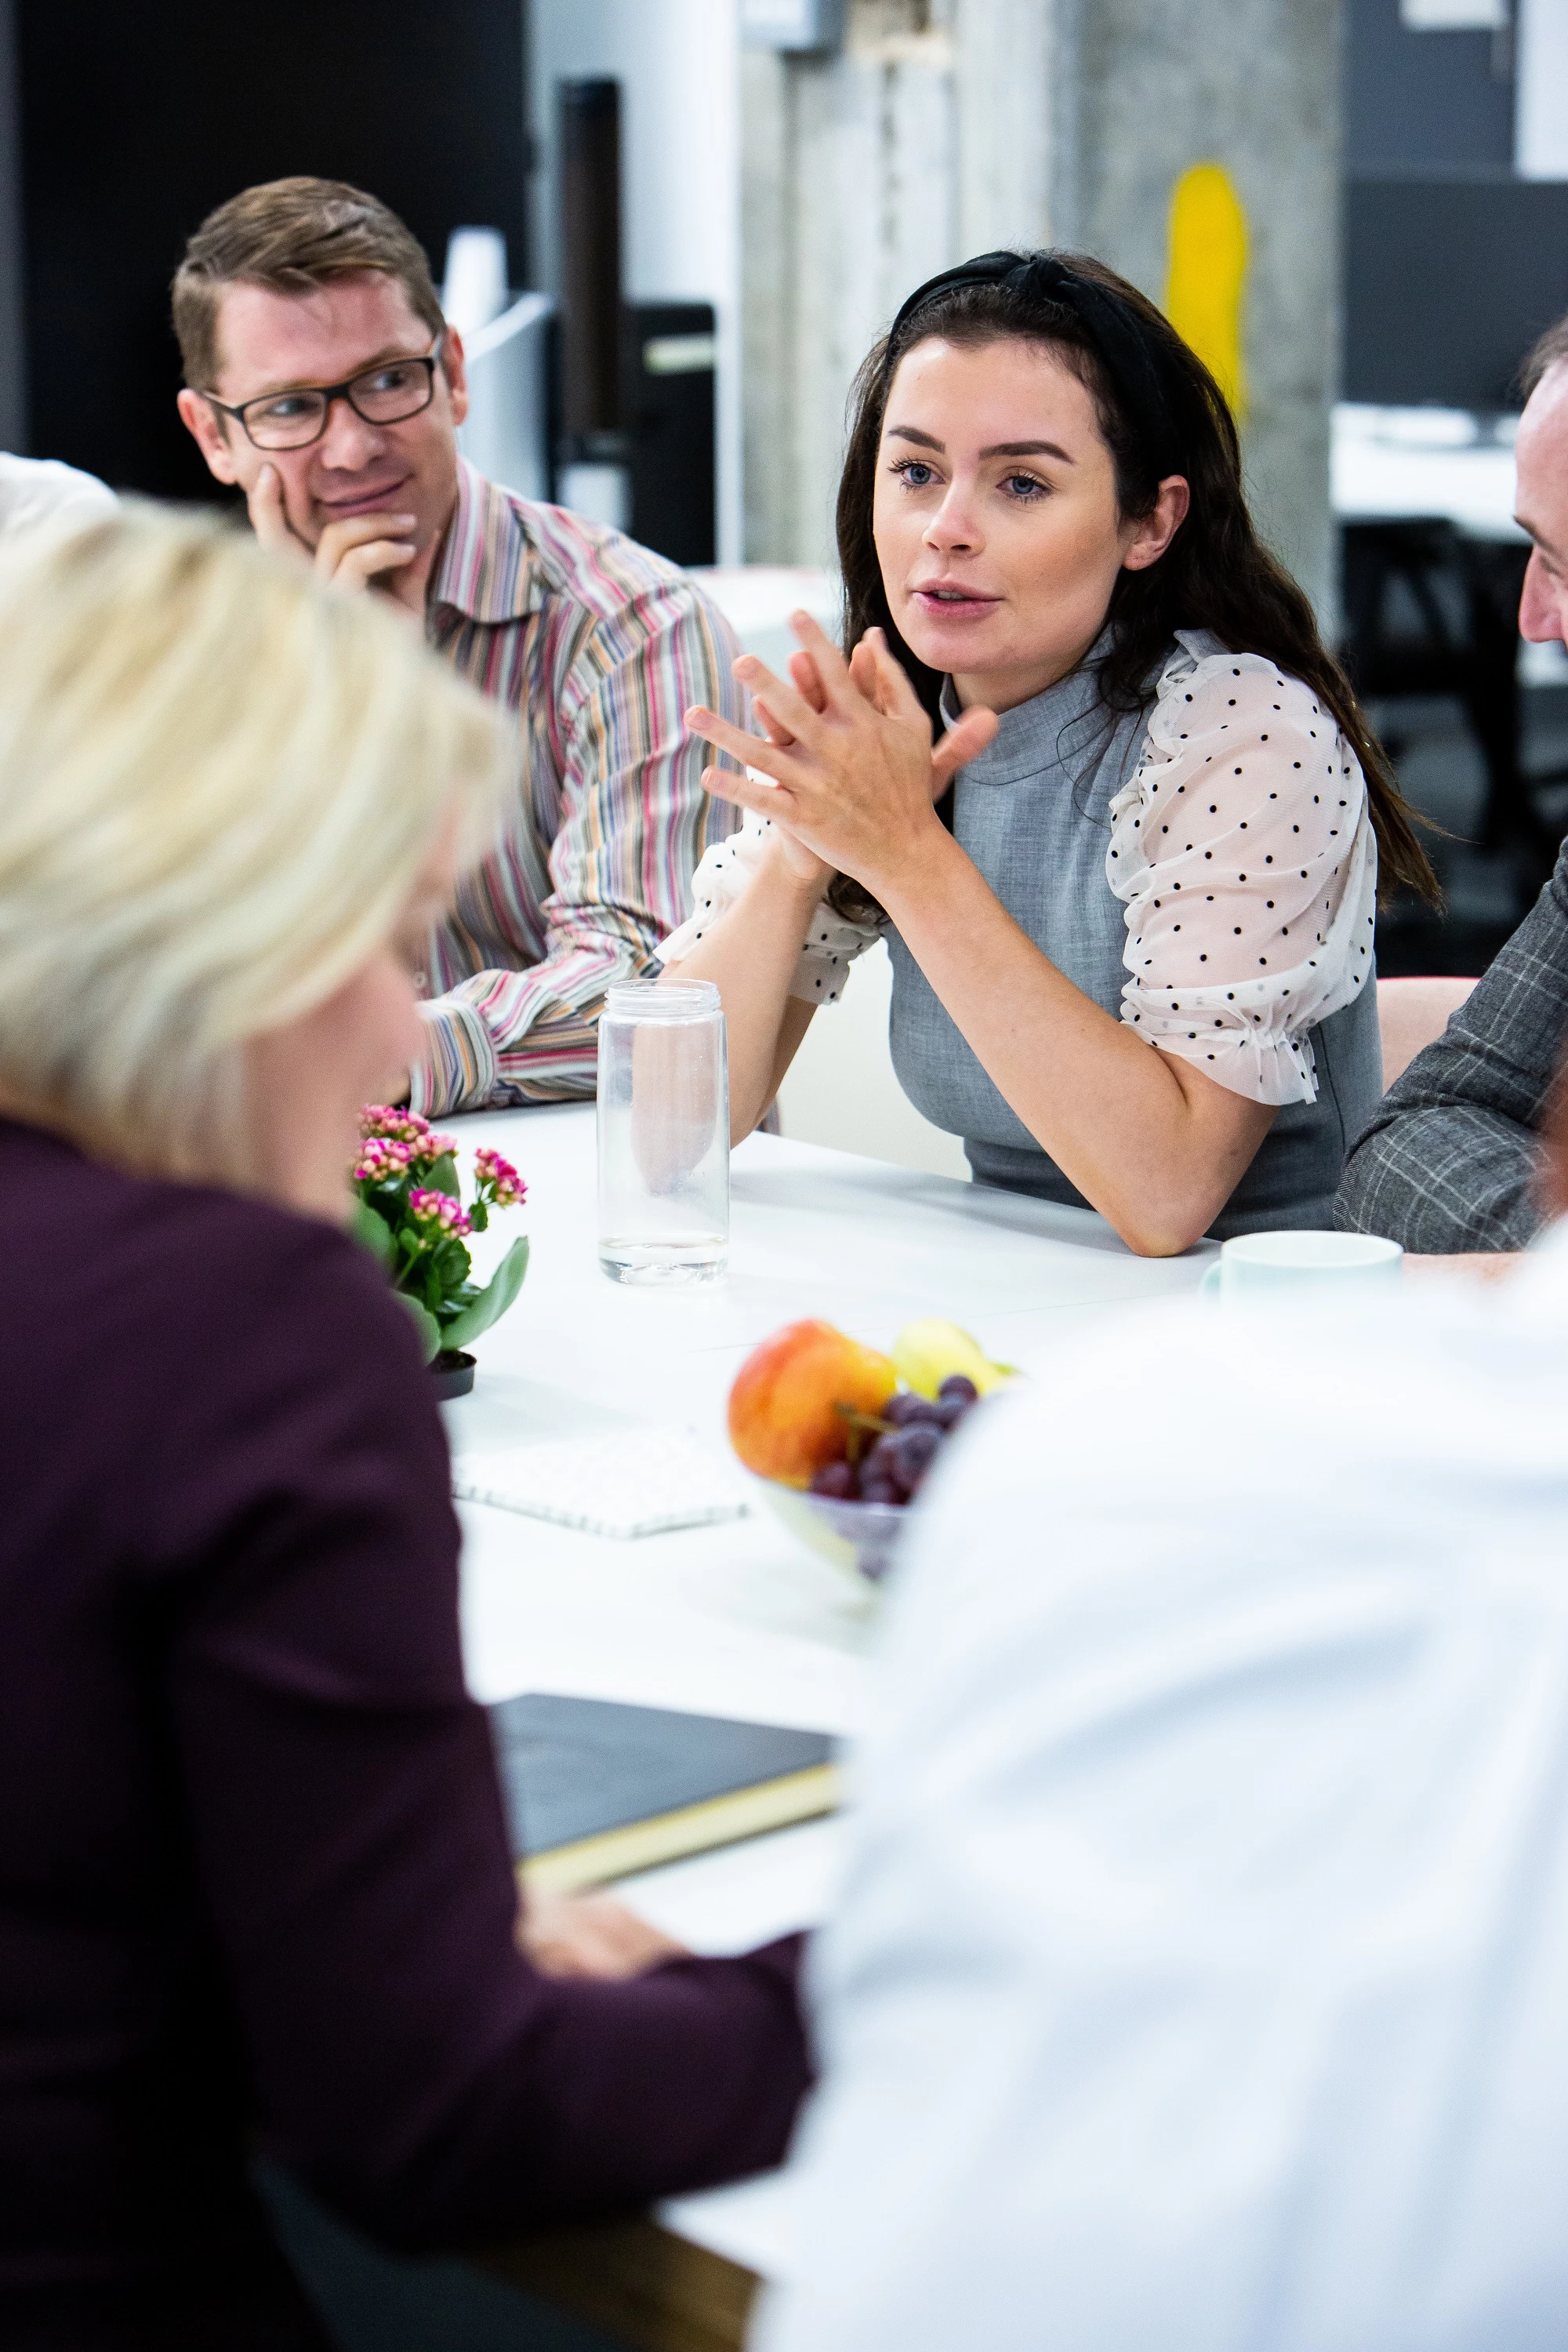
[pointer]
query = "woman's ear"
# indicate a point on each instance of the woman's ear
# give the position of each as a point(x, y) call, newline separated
point(1153, 535)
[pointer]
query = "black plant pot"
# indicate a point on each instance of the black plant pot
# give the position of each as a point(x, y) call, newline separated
point(453, 1374)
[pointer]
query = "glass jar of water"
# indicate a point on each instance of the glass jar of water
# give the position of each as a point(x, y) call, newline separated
point(663, 1133)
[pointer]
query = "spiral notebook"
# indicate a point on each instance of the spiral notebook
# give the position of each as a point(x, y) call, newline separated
point(595, 1791)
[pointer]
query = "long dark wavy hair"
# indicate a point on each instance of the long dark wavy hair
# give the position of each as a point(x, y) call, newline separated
point(1215, 575)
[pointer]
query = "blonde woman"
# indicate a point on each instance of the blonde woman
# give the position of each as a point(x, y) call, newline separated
point(254, 1880)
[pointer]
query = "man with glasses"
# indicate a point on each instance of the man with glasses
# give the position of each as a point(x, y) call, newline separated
point(321, 379)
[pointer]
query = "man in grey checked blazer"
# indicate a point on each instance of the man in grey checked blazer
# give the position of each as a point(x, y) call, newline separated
point(1449, 1161)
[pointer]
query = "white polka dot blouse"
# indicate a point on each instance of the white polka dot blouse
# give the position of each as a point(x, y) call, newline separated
point(1243, 853)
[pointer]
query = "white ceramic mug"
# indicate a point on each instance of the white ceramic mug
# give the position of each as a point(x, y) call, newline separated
point(1252, 1264)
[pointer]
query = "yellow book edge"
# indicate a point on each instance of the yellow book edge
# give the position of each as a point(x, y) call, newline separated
point(691, 1828)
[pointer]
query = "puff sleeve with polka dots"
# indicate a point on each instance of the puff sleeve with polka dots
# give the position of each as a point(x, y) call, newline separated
point(1244, 855)
point(832, 942)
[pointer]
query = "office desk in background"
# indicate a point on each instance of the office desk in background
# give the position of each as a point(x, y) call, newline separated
point(1433, 568)
point(1390, 465)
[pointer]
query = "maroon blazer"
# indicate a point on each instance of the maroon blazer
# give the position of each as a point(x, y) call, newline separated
point(255, 1885)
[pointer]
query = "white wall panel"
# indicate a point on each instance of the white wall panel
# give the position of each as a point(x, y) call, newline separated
point(677, 62)
point(1541, 120)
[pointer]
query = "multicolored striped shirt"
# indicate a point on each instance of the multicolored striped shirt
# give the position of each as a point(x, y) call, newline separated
point(599, 646)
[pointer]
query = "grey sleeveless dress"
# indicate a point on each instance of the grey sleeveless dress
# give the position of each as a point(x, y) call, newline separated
point(1033, 812)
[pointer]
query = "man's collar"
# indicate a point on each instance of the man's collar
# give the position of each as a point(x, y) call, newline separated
point(486, 565)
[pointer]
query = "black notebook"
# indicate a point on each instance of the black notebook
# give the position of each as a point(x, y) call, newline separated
point(595, 1791)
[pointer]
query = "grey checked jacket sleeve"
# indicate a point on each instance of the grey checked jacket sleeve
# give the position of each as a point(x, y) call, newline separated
point(1449, 1162)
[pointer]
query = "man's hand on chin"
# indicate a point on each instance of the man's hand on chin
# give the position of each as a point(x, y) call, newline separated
point(357, 553)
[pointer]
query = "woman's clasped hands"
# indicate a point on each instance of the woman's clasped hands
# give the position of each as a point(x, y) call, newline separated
point(848, 744)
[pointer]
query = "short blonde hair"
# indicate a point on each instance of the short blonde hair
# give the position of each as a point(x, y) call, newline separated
point(291, 236)
point(219, 783)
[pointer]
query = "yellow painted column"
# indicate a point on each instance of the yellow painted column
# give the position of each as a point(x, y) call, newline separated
point(1206, 281)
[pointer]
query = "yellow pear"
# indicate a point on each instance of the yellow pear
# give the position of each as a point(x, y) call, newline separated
point(930, 1351)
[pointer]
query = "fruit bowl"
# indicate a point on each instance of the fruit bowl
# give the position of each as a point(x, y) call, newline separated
point(839, 1447)
point(858, 1535)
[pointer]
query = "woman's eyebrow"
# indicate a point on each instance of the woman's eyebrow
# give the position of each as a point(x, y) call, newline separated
point(997, 448)
point(1027, 449)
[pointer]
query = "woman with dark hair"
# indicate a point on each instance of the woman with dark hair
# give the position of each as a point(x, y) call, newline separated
point(1154, 814)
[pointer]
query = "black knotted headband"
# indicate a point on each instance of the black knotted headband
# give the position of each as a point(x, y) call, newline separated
point(1117, 336)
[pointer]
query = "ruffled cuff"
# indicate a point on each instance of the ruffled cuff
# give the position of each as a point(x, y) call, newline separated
point(832, 945)
point(1242, 1048)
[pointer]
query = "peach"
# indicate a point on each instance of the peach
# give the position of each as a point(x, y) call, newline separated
point(784, 1417)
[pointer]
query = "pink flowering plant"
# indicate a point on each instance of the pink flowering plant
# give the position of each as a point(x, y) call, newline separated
point(410, 1214)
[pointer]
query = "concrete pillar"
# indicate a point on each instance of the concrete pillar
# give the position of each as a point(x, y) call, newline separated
point(949, 126)
point(1148, 89)
point(925, 139)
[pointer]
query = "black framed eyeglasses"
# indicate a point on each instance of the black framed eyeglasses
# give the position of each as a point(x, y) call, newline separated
point(386, 394)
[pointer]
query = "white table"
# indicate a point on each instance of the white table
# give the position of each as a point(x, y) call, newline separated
point(735, 1619)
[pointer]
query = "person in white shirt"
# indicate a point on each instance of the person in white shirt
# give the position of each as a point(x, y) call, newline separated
point(1201, 1978)
point(41, 489)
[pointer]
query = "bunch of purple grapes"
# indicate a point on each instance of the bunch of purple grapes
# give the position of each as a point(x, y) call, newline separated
point(911, 1430)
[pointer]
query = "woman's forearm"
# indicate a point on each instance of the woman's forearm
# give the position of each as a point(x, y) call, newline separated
point(750, 953)
point(1155, 1145)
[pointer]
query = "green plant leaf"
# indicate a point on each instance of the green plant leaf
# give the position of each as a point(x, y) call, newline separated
point(443, 1178)
point(493, 1301)
point(372, 1231)
point(452, 1264)
point(431, 1341)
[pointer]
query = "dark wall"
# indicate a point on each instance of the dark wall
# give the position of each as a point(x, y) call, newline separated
point(13, 340)
point(1448, 283)
point(138, 116)
point(1424, 101)
point(1452, 265)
